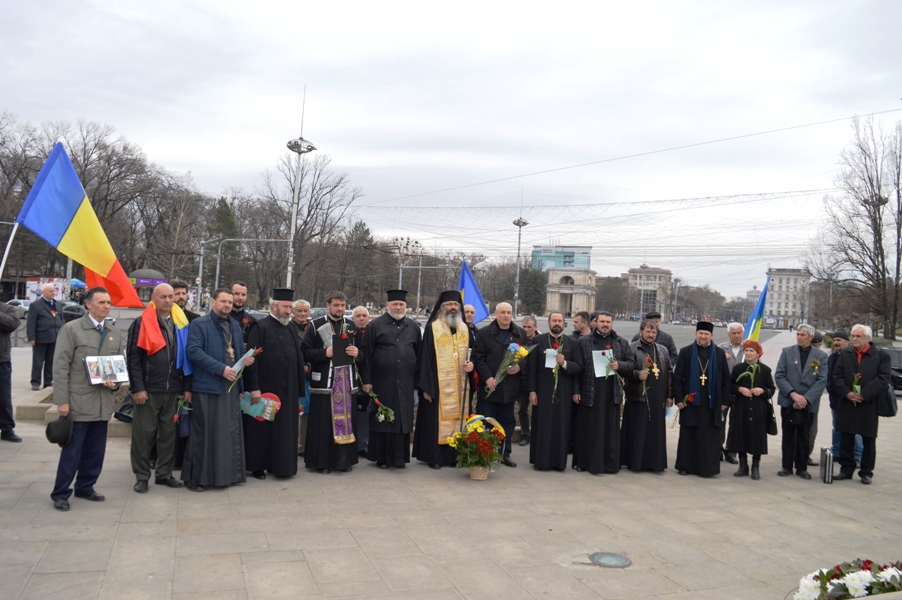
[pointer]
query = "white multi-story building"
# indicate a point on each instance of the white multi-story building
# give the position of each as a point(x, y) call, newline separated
point(653, 285)
point(787, 297)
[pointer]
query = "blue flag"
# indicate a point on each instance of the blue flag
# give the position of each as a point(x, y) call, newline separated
point(753, 327)
point(470, 294)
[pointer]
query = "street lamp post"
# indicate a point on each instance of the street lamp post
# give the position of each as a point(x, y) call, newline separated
point(520, 223)
point(300, 146)
point(200, 273)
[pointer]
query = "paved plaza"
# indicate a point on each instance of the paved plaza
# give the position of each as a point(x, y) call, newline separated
point(418, 533)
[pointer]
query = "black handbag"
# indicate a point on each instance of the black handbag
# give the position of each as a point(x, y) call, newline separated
point(771, 420)
point(886, 403)
point(126, 410)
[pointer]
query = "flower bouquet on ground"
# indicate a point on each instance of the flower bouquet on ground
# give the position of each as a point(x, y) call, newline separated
point(515, 353)
point(856, 579)
point(478, 445)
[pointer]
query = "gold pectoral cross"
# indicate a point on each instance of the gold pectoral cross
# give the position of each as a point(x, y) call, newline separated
point(704, 378)
point(231, 352)
point(655, 371)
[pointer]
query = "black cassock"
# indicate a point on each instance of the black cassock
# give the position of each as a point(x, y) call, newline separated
point(597, 445)
point(391, 352)
point(279, 369)
point(699, 449)
point(425, 437)
point(643, 432)
point(550, 436)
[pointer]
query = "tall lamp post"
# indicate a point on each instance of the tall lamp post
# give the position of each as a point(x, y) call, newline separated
point(300, 146)
point(520, 223)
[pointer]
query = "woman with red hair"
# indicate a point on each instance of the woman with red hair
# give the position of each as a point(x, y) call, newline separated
point(752, 387)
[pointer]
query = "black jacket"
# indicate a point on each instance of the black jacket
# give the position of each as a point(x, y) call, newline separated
point(155, 373)
point(585, 384)
point(314, 349)
point(875, 372)
point(489, 351)
point(43, 326)
point(9, 322)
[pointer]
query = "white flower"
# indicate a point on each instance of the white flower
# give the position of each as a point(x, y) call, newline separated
point(809, 588)
point(888, 573)
point(380, 417)
point(857, 583)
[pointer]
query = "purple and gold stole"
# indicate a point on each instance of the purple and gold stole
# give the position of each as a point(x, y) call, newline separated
point(342, 406)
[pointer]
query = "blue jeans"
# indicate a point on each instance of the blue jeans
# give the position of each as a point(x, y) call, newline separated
point(859, 443)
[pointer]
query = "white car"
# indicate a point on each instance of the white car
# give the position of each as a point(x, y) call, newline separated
point(21, 307)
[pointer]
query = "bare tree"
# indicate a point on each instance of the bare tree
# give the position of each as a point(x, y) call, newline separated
point(863, 231)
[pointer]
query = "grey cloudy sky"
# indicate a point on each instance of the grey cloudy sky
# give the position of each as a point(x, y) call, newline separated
point(414, 97)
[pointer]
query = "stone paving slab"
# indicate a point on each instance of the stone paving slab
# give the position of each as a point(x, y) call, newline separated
point(420, 534)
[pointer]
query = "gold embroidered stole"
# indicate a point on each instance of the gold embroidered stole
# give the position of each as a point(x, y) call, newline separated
point(450, 358)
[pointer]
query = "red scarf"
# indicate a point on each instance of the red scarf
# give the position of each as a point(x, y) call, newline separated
point(860, 353)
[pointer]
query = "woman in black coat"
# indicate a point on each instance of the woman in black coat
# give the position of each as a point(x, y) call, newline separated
point(752, 385)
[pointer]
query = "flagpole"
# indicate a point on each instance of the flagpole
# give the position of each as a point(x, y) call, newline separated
point(9, 245)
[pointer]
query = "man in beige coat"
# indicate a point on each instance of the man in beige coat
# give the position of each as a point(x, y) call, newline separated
point(89, 406)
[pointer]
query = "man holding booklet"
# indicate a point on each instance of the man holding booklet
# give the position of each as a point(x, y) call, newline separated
point(89, 406)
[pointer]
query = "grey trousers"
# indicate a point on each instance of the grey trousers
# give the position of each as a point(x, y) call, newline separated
point(153, 423)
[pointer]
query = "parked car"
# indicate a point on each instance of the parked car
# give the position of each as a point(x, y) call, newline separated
point(896, 354)
point(315, 313)
point(73, 310)
point(21, 307)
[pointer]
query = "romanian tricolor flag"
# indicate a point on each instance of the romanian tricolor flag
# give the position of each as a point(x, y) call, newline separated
point(151, 340)
point(57, 209)
point(753, 327)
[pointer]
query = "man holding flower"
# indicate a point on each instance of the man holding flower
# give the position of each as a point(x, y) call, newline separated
point(862, 374)
point(502, 387)
point(550, 388)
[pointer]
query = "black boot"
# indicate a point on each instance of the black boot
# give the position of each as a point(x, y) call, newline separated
point(756, 459)
point(743, 466)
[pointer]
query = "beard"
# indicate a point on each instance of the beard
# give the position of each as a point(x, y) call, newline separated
point(453, 320)
point(182, 303)
point(283, 320)
point(556, 329)
point(398, 314)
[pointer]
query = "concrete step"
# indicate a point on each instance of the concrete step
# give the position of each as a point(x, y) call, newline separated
point(116, 428)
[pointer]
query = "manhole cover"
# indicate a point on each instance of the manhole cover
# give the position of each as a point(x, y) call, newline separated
point(609, 559)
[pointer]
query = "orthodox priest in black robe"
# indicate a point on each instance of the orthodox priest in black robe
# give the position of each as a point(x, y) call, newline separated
point(444, 382)
point(598, 396)
point(701, 388)
point(391, 354)
point(330, 347)
point(552, 407)
point(643, 432)
point(272, 445)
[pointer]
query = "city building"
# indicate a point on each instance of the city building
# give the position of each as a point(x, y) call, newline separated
point(653, 285)
point(561, 257)
point(753, 295)
point(788, 300)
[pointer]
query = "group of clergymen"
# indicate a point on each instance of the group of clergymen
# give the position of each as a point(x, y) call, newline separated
point(575, 385)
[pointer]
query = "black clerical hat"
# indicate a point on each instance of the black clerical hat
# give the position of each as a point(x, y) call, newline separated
point(283, 295)
point(396, 295)
point(60, 431)
point(450, 296)
point(705, 326)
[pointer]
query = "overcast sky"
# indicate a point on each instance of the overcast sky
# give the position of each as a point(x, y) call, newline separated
point(413, 98)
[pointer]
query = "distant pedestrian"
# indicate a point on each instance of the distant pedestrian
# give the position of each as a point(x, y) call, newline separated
point(9, 322)
point(45, 319)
